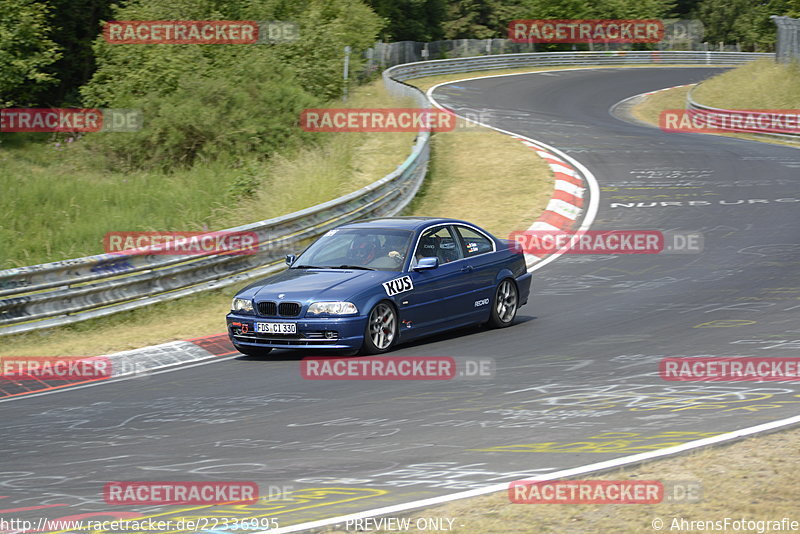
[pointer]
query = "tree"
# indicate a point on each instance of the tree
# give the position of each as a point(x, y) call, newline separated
point(204, 101)
point(26, 51)
point(479, 19)
point(411, 20)
point(744, 22)
point(76, 24)
point(601, 9)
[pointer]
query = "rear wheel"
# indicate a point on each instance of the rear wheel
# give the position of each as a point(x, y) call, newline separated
point(506, 302)
point(381, 329)
point(254, 351)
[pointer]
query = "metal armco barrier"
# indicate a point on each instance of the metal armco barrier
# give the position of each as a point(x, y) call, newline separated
point(707, 115)
point(64, 292)
point(409, 71)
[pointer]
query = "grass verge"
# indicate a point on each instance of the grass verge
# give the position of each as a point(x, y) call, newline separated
point(752, 479)
point(740, 88)
point(762, 84)
point(487, 178)
point(650, 108)
point(339, 164)
point(59, 204)
point(185, 318)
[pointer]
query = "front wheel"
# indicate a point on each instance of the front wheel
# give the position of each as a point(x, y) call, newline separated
point(381, 330)
point(506, 302)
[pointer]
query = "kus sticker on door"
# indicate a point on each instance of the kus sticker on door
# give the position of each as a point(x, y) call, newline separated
point(398, 285)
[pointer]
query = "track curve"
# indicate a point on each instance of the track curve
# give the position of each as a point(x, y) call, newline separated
point(576, 379)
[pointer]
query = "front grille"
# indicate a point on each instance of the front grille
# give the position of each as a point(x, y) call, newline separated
point(289, 309)
point(284, 309)
point(267, 308)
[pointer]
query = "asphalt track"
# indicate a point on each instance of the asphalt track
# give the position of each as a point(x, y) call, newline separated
point(576, 378)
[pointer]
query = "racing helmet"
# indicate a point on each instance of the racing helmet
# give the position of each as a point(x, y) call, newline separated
point(363, 249)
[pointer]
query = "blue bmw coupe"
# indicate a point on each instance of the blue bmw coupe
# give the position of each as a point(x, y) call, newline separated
point(369, 285)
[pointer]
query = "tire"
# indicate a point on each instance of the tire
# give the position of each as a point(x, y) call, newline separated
point(505, 304)
point(380, 333)
point(253, 351)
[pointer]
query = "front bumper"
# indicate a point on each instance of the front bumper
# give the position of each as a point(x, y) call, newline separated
point(312, 333)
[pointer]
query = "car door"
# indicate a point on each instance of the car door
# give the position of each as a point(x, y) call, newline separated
point(440, 298)
point(483, 264)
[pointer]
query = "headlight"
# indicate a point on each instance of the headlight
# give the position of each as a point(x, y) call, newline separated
point(332, 308)
point(242, 305)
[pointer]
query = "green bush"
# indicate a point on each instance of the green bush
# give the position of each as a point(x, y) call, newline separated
point(245, 108)
point(26, 51)
point(202, 102)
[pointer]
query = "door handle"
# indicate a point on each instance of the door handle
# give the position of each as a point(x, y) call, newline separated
point(466, 269)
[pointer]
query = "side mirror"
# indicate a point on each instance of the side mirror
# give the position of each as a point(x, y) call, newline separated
point(426, 264)
point(290, 259)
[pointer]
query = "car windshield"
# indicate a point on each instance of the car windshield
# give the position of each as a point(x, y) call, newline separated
point(379, 249)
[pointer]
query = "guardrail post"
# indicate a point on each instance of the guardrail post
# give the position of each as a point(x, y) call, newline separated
point(787, 46)
point(347, 50)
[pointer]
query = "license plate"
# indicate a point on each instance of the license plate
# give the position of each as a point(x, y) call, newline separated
point(276, 328)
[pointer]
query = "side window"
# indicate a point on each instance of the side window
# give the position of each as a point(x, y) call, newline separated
point(438, 242)
point(474, 242)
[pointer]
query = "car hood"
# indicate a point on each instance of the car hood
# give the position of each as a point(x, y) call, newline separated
point(318, 284)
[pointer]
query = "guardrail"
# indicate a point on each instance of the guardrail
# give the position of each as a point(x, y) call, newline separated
point(58, 293)
point(749, 122)
point(408, 71)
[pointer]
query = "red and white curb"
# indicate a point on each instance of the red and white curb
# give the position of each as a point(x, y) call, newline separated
point(635, 100)
point(135, 363)
point(568, 209)
point(565, 207)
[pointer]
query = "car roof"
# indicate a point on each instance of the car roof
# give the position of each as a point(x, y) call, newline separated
point(406, 223)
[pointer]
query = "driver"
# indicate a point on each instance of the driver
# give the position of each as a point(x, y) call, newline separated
point(363, 249)
point(395, 244)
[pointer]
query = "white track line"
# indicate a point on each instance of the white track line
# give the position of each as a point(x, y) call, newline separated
point(503, 486)
point(591, 181)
